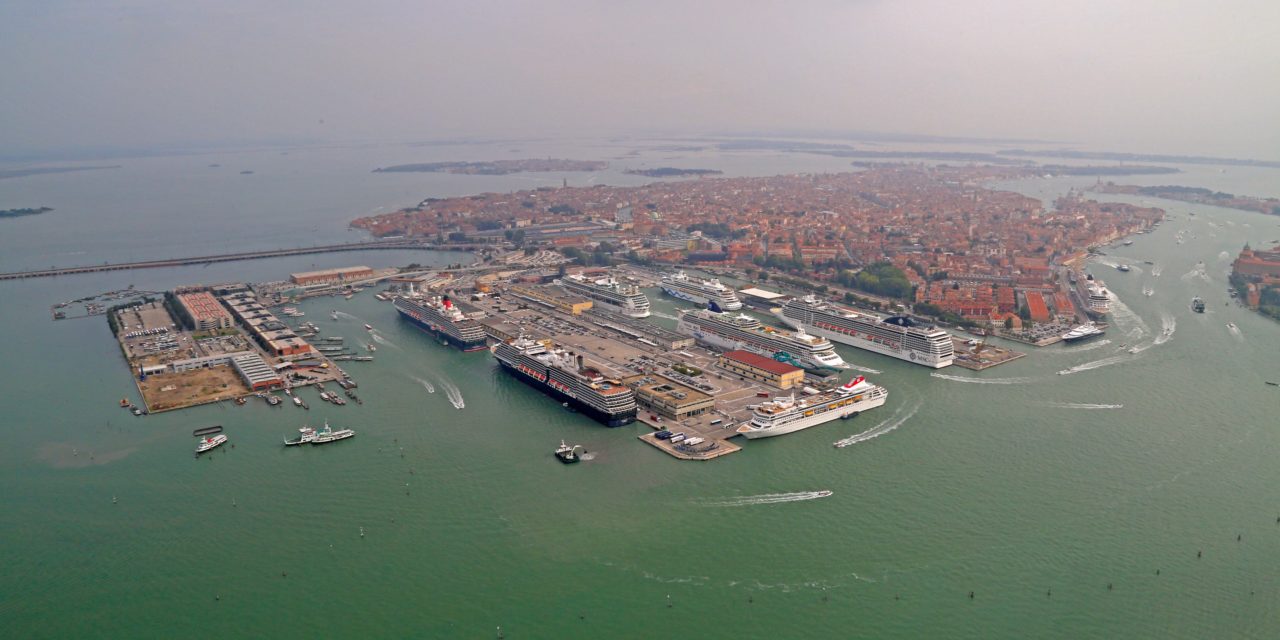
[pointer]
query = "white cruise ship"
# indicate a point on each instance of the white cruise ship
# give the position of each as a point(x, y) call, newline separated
point(897, 336)
point(787, 415)
point(703, 292)
point(729, 331)
point(1099, 298)
point(624, 298)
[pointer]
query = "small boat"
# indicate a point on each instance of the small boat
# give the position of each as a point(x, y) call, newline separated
point(368, 327)
point(1231, 326)
point(333, 314)
point(1274, 384)
point(209, 443)
point(137, 411)
point(371, 347)
point(823, 494)
point(1123, 268)
point(124, 402)
point(306, 435)
point(241, 401)
point(568, 454)
point(272, 400)
point(1128, 242)
point(297, 402)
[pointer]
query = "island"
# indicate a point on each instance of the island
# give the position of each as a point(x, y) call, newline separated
point(1195, 195)
point(29, 211)
point(497, 167)
point(673, 172)
point(35, 171)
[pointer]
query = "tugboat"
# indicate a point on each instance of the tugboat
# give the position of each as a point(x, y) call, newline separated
point(568, 454)
point(209, 443)
point(306, 435)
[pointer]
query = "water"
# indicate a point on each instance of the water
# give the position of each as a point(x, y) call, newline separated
point(1037, 482)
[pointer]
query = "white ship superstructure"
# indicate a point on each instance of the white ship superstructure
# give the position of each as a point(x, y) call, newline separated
point(625, 298)
point(898, 336)
point(740, 331)
point(701, 291)
point(1099, 298)
point(787, 415)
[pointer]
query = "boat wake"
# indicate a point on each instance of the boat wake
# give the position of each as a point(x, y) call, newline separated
point(455, 396)
point(889, 424)
point(766, 498)
point(1081, 405)
point(659, 314)
point(1017, 380)
point(1096, 364)
point(1127, 320)
point(1224, 256)
point(1084, 347)
point(431, 388)
point(1157, 270)
point(1148, 291)
point(342, 315)
point(1198, 272)
point(1235, 332)
point(381, 340)
point(854, 367)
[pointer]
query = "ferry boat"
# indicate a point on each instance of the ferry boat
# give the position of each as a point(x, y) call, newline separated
point(896, 336)
point(787, 415)
point(327, 434)
point(209, 442)
point(1082, 332)
point(305, 436)
point(564, 376)
point(440, 317)
point(680, 285)
point(1197, 304)
point(728, 331)
point(625, 298)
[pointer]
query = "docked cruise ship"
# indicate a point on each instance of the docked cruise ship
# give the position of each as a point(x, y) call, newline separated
point(565, 377)
point(438, 315)
point(897, 336)
point(1099, 298)
point(729, 331)
point(627, 299)
point(786, 415)
point(701, 291)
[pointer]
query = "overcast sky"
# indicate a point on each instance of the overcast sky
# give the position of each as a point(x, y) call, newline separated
point(1128, 75)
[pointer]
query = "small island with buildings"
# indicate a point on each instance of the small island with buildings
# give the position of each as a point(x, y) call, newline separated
point(27, 211)
point(1195, 195)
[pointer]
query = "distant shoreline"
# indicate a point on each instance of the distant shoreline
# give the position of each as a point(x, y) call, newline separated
point(673, 172)
point(28, 211)
point(497, 167)
point(22, 173)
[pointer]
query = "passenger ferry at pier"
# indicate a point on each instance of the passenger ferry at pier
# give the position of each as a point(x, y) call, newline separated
point(680, 285)
point(897, 336)
point(565, 376)
point(627, 299)
point(728, 331)
point(438, 315)
point(787, 415)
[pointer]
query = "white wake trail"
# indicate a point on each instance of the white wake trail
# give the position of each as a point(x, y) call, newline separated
point(1096, 364)
point(426, 385)
point(1081, 405)
point(455, 395)
point(855, 367)
point(346, 316)
point(766, 498)
point(889, 424)
point(660, 314)
point(1016, 380)
point(1084, 347)
point(381, 340)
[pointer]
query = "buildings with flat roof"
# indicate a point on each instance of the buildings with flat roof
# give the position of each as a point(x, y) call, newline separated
point(206, 362)
point(204, 310)
point(760, 298)
point(330, 276)
point(572, 306)
point(274, 336)
point(668, 398)
point(760, 368)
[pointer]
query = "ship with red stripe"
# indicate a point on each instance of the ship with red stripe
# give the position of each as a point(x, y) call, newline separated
point(567, 377)
point(438, 315)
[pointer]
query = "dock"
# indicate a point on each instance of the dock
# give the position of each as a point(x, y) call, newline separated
point(983, 356)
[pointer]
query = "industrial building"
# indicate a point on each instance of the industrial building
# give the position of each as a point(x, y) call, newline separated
point(267, 330)
point(572, 306)
point(499, 331)
point(762, 369)
point(330, 276)
point(255, 372)
point(668, 398)
point(645, 332)
point(206, 362)
point(204, 310)
point(761, 299)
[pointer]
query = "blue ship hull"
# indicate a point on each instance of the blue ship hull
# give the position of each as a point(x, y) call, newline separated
point(607, 419)
point(460, 344)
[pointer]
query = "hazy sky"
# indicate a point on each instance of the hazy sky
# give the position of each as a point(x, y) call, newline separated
point(1143, 75)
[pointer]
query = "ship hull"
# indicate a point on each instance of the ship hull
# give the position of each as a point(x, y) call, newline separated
point(874, 347)
point(816, 419)
point(1082, 338)
point(607, 419)
point(729, 344)
point(442, 334)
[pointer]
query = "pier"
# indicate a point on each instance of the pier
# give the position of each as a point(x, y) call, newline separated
point(233, 257)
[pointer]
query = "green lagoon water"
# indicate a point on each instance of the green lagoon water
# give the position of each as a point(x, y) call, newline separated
point(1034, 485)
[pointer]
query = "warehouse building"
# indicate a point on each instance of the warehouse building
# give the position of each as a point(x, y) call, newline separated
point(205, 311)
point(331, 276)
point(668, 398)
point(255, 372)
point(572, 306)
point(762, 369)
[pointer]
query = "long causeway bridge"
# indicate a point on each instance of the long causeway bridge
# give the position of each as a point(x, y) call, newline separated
point(232, 257)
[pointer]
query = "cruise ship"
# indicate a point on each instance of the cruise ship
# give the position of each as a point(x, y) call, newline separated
point(680, 285)
point(897, 336)
point(741, 331)
point(565, 377)
point(439, 316)
point(1099, 298)
point(787, 415)
point(624, 298)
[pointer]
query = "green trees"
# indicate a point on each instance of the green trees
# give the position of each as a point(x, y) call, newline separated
point(880, 278)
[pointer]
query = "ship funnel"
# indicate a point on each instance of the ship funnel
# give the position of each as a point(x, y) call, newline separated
point(579, 362)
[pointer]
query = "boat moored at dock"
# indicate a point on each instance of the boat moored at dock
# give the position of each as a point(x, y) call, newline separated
point(440, 317)
point(898, 336)
point(565, 376)
point(788, 415)
point(1082, 332)
point(627, 299)
point(679, 285)
point(740, 331)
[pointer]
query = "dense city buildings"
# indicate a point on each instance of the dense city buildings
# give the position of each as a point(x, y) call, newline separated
point(1256, 276)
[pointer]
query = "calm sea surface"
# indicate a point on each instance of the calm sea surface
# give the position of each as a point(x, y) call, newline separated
point(1070, 491)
